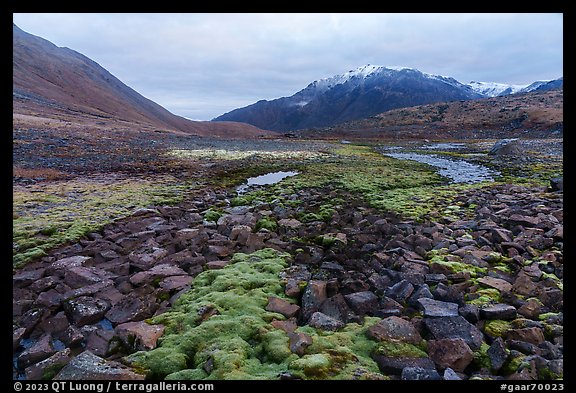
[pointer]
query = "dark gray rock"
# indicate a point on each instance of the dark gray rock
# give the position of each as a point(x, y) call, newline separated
point(400, 291)
point(88, 366)
point(337, 308)
point(312, 298)
point(47, 368)
point(471, 312)
point(85, 310)
point(40, 350)
point(498, 311)
point(394, 329)
point(454, 327)
point(324, 322)
point(420, 374)
point(436, 308)
point(497, 354)
point(394, 365)
point(362, 303)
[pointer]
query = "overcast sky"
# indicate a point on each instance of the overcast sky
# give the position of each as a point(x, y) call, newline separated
point(203, 65)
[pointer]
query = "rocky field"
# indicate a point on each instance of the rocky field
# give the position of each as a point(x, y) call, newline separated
point(361, 266)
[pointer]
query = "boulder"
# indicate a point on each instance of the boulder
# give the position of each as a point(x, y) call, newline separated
point(313, 296)
point(419, 374)
point(450, 352)
point(506, 147)
point(85, 310)
point(324, 322)
point(362, 303)
point(282, 306)
point(47, 368)
point(454, 327)
point(437, 308)
point(40, 350)
point(139, 336)
point(498, 311)
point(394, 329)
point(88, 366)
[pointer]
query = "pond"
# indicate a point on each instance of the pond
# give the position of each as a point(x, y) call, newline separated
point(459, 171)
point(266, 179)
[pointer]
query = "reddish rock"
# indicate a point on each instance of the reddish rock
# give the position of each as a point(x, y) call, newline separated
point(282, 306)
point(523, 285)
point(134, 308)
point(80, 276)
point(47, 368)
point(298, 342)
point(497, 283)
point(532, 335)
point(158, 271)
point(214, 265)
point(498, 311)
point(175, 282)
point(450, 352)
point(139, 336)
point(98, 341)
point(394, 329)
point(39, 351)
point(288, 325)
point(61, 266)
point(362, 303)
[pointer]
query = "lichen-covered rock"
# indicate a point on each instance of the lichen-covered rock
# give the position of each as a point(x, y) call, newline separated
point(450, 352)
point(394, 329)
point(88, 366)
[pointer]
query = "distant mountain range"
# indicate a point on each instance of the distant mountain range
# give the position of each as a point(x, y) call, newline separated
point(364, 92)
point(49, 81)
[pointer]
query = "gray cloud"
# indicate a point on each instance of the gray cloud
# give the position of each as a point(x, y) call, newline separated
point(202, 65)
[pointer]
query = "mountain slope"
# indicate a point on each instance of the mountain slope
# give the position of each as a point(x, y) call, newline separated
point(54, 81)
point(356, 94)
point(536, 114)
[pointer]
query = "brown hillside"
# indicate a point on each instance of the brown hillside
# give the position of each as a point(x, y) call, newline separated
point(62, 85)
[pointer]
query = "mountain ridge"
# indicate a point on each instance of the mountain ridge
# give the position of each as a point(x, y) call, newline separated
point(54, 81)
point(363, 92)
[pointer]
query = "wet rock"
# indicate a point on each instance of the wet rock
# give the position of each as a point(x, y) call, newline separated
point(324, 322)
point(454, 327)
point(47, 368)
point(436, 308)
point(419, 374)
point(40, 350)
point(282, 306)
point(139, 336)
point(85, 310)
point(88, 366)
point(362, 303)
point(394, 328)
point(498, 311)
point(450, 352)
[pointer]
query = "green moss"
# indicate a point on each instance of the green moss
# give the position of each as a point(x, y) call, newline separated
point(266, 223)
point(481, 359)
point(212, 215)
point(497, 328)
point(439, 257)
point(484, 296)
point(312, 366)
point(399, 350)
point(512, 365)
point(159, 362)
point(545, 316)
point(238, 339)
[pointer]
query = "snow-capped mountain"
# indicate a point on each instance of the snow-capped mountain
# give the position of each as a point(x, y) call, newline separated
point(494, 89)
point(357, 93)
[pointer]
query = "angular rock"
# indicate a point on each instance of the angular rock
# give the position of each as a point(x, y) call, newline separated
point(72, 336)
point(282, 306)
point(532, 335)
point(24, 278)
point(39, 351)
point(450, 352)
point(394, 329)
point(337, 308)
point(313, 296)
point(133, 308)
point(139, 336)
point(400, 291)
point(85, 310)
point(175, 282)
point(17, 335)
point(419, 374)
point(158, 271)
point(498, 311)
point(497, 283)
point(523, 285)
point(471, 312)
point(80, 276)
point(88, 366)
point(393, 365)
point(497, 354)
point(47, 368)
point(60, 267)
point(98, 341)
point(324, 322)
point(49, 299)
point(436, 308)
point(450, 375)
point(531, 309)
point(288, 325)
point(55, 324)
point(362, 303)
point(454, 327)
point(298, 342)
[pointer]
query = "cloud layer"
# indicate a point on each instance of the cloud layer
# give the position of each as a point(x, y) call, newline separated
point(202, 65)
